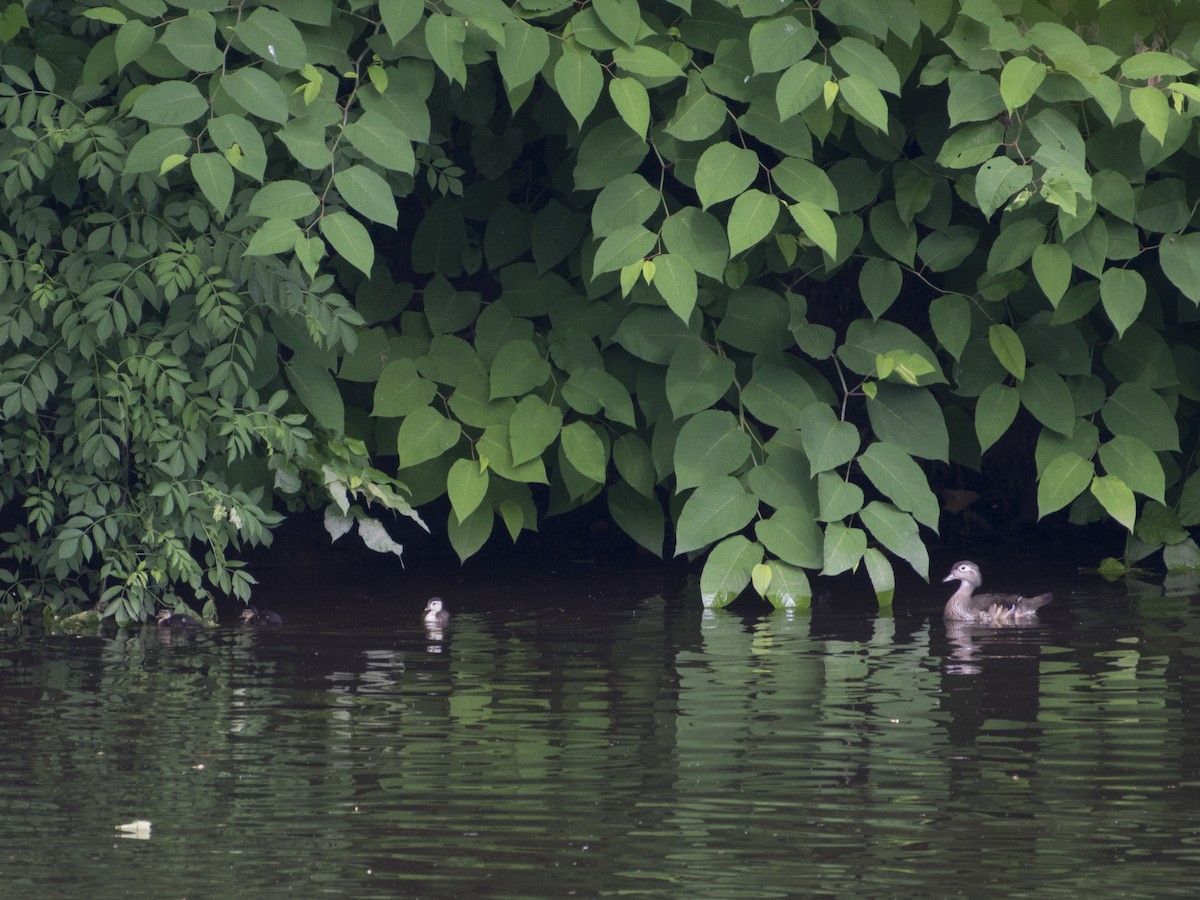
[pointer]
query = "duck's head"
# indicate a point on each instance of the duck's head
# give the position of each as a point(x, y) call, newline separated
point(966, 572)
point(434, 606)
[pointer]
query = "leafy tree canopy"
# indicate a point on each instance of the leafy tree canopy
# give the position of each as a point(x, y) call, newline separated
point(750, 270)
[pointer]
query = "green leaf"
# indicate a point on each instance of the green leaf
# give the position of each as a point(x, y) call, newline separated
point(1064, 479)
point(816, 224)
point(879, 284)
point(274, 37)
point(133, 39)
point(170, 103)
point(632, 103)
point(950, 317)
point(1150, 105)
point(533, 427)
point(864, 99)
point(425, 434)
point(468, 536)
point(995, 410)
point(777, 396)
point(789, 587)
point(801, 180)
point(828, 443)
point(1135, 464)
point(1019, 81)
point(647, 62)
point(374, 136)
point(1052, 269)
point(724, 171)
point(727, 571)
point(1123, 293)
point(257, 93)
point(466, 486)
point(400, 17)
point(621, 17)
point(971, 146)
point(710, 444)
point(191, 40)
point(911, 419)
point(901, 480)
point(589, 390)
point(1179, 256)
point(214, 177)
point(698, 237)
point(714, 510)
point(400, 390)
point(696, 378)
point(274, 236)
point(675, 282)
point(800, 86)
point(698, 114)
point(751, 219)
point(837, 499)
point(635, 464)
point(997, 180)
point(608, 151)
point(621, 248)
point(367, 193)
point(1139, 412)
point(638, 516)
point(1008, 349)
point(284, 200)
point(444, 37)
point(317, 390)
point(861, 60)
point(517, 369)
point(1149, 64)
point(843, 550)
point(349, 238)
point(1015, 245)
point(897, 532)
point(778, 43)
point(579, 80)
point(1047, 397)
point(524, 51)
point(585, 451)
point(792, 535)
point(883, 578)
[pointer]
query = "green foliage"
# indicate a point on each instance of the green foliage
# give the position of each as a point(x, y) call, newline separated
point(745, 269)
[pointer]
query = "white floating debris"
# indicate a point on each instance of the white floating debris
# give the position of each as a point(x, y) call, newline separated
point(139, 829)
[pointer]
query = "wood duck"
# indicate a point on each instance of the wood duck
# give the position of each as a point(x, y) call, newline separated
point(965, 605)
point(168, 619)
point(254, 616)
point(435, 615)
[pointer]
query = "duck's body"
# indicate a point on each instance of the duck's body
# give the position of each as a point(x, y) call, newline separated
point(435, 613)
point(168, 619)
point(965, 605)
point(254, 616)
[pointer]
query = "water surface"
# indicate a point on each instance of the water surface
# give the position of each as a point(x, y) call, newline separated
point(596, 732)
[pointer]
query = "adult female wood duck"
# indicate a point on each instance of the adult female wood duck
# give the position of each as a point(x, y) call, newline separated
point(435, 613)
point(965, 605)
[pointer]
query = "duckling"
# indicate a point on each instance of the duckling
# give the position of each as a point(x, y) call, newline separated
point(254, 616)
point(168, 619)
point(965, 605)
point(435, 615)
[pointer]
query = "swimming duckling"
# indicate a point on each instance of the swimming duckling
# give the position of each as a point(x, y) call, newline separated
point(965, 605)
point(435, 615)
point(168, 619)
point(254, 616)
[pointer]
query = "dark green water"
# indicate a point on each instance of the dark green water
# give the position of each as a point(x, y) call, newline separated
point(571, 737)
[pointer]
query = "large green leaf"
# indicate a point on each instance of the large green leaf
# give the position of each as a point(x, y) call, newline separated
point(466, 486)
point(1123, 293)
point(170, 103)
point(994, 411)
point(533, 427)
point(1046, 395)
point(585, 451)
point(717, 508)
point(910, 418)
point(401, 390)
point(843, 549)
point(1179, 256)
point(792, 535)
point(727, 571)
point(710, 444)
point(517, 369)
point(257, 93)
point(608, 151)
point(828, 442)
point(901, 480)
point(317, 390)
point(214, 177)
point(424, 434)
point(1064, 479)
point(579, 80)
point(780, 42)
point(350, 239)
point(284, 199)
point(524, 51)
point(724, 171)
point(1019, 81)
point(751, 219)
point(1139, 412)
point(696, 378)
point(898, 532)
point(1135, 464)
